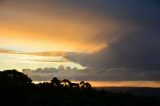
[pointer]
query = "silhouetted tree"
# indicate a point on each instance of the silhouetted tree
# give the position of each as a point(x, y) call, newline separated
point(55, 82)
point(15, 77)
point(82, 82)
point(13, 91)
point(65, 83)
point(85, 85)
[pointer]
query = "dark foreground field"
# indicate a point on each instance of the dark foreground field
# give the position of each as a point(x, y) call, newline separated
point(137, 91)
point(16, 89)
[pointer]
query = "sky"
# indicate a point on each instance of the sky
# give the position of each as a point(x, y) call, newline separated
point(99, 40)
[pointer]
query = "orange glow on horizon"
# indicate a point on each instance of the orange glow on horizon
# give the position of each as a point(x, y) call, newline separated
point(154, 84)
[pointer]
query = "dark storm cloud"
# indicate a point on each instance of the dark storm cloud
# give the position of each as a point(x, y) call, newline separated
point(138, 50)
point(143, 12)
point(120, 74)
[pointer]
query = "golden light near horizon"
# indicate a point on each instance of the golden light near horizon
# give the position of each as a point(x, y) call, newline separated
point(152, 84)
point(53, 29)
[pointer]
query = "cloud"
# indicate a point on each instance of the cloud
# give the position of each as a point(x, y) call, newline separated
point(47, 53)
point(137, 54)
point(92, 74)
point(8, 51)
point(44, 53)
point(137, 50)
point(100, 34)
point(144, 12)
point(56, 24)
point(46, 56)
point(46, 74)
point(126, 74)
point(49, 61)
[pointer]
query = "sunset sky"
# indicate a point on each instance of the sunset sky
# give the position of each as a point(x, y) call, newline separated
point(99, 40)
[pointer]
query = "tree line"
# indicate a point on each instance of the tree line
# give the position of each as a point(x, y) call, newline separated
point(17, 89)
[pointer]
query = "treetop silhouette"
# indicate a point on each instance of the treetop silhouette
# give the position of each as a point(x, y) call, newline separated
point(17, 89)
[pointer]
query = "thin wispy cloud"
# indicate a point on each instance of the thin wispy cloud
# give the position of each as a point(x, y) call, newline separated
point(48, 53)
point(8, 51)
point(49, 60)
point(45, 53)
